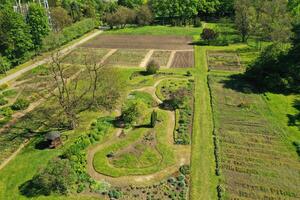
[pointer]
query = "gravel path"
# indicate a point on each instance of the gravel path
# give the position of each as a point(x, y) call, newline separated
point(48, 59)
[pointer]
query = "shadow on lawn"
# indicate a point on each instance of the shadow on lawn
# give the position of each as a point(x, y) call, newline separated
point(294, 120)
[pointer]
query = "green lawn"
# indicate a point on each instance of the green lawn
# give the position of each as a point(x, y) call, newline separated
point(203, 179)
point(157, 30)
point(282, 107)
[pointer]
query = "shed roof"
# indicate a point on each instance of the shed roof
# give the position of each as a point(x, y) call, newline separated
point(52, 135)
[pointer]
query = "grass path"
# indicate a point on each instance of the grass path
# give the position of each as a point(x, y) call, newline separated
point(204, 180)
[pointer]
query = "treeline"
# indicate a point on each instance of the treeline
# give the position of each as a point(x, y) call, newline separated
point(173, 12)
point(276, 23)
point(25, 35)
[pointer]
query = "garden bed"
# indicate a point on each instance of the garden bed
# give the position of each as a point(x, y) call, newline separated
point(183, 59)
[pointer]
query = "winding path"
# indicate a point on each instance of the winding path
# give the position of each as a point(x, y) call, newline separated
point(182, 153)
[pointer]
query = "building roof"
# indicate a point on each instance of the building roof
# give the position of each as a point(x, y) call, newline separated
point(52, 135)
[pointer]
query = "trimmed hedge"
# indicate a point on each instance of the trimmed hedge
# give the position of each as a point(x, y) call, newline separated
point(54, 40)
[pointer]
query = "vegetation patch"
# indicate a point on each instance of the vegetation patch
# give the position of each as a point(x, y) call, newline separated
point(106, 155)
point(178, 95)
point(161, 57)
point(223, 60)
point(82, 56)
point(126, 58)
point(174, 187)
point(183, 59)
point(254, 161)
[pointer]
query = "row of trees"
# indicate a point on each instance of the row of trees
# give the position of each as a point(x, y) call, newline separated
point(19, 36)
point(263, 19)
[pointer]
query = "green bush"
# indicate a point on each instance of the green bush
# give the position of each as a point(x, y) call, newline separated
point(54, 40)
point(152, 67)
point(115, 194)
point(3, 86)
point(197, 22)
point(58, 177)
point(3, 101)
point(185, 169)
point(20, 104)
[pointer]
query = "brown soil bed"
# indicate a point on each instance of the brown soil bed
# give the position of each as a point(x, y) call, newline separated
point(140, 42)
point(183, 59)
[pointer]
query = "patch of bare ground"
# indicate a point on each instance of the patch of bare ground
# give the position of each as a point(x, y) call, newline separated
point(183, 59)
point(140, 42)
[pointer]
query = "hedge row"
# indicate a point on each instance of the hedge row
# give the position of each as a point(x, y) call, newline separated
point(54, 40)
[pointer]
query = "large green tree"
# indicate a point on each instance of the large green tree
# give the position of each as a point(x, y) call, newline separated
point(15, 38)
point(39, 24)
point(264, 19)
point(174, 8)
point(131, 3)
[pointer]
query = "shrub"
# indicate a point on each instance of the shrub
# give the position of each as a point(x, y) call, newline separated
point(3, 86)
point(208, 35)
point(144, 16)
point(153, 118)
point(152, 67)
point(132, 112)
point(185, 169)
point(3, 101)
point(57, 177)
point(115, 194)
point(20, 104)
point(197, 22)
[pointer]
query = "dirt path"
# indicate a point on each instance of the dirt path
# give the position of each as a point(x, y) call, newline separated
point(48, 59)
point(172, 56)
point(181, 152)
point(147, 58)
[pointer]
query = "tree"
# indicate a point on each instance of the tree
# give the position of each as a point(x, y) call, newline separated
point(152, 67)
point(144, 15)
point(74, 9)
point(39, 25)
point(153, 118)
point(15, 39)
point(121, 17)
point(60, 18)
point(4, 65)
point(174, 9)
point(242, 18)
point(209, 35)
point(101, 88)
point(133, 111)
point(131, 3)
point(57, 177)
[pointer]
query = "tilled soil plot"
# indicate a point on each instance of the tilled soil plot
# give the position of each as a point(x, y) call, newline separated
point(140, 42)
point(224, 61)
point(183, 59)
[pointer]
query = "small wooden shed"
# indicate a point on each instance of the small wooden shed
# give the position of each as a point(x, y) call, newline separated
point(54, 139)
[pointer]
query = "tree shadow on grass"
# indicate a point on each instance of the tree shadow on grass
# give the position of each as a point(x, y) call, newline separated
point(238, 82)
point(32, 189)
point(294, 120)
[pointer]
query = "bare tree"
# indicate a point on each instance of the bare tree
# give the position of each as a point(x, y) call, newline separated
point(80, 91)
